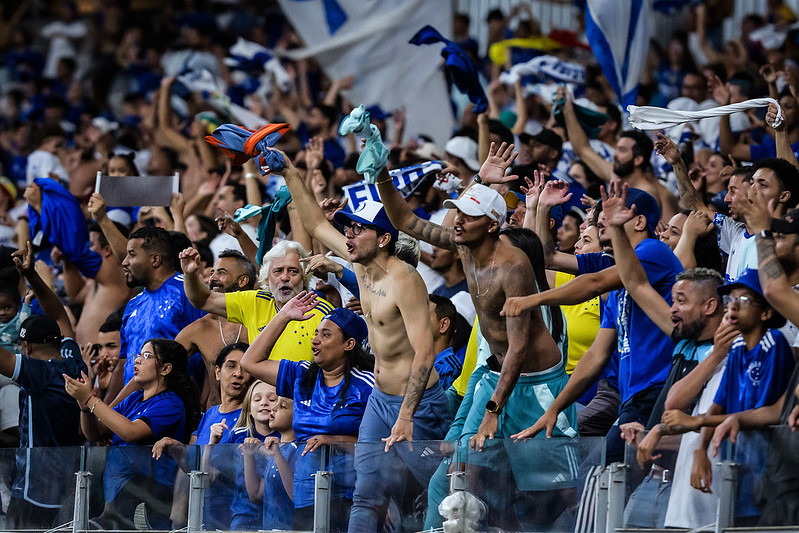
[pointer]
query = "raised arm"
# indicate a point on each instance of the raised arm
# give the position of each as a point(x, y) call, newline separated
point(48, 300)
point(313, 218)
point(580, 142)
point(697, 225)
point(689, 196)
point(198, 292)
point(117, 241)
point(728, 146)
point(632, 273)
point(784, 150)
point(555, 192)
point(412, 296)
point(256, 359)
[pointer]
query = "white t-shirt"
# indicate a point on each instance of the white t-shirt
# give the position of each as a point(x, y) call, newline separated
point(739, 246)
point(688, 507)
point(41, 164)
point(61, 37)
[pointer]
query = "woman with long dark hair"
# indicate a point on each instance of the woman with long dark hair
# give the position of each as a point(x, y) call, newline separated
point(167, 405)
point(329, 394)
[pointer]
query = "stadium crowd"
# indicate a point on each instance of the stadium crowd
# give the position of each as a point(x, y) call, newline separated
point(558, 274)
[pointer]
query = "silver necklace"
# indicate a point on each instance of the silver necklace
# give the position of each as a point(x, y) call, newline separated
point(221, 334)
point(477, 280)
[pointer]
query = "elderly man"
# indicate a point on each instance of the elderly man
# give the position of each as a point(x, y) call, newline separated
point(281, 278)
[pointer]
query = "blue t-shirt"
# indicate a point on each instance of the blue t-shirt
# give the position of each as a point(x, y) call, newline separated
point(644, 350)
point(757, 377)
point(48, 417)
point(150, 314)
point(449, 292)
point(165, 414)
point(448, 364)
point(278, 508)
point(246, 515)
point(768, 149)
point(593, 262)
point(318, 415)
point(211, 417)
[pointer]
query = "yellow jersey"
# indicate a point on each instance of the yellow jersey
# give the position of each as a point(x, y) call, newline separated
point(255, 309)
point(582, 324)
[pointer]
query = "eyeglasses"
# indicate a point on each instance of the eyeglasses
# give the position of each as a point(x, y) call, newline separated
point(356, 228)
point(741, 301)
point(144, 356)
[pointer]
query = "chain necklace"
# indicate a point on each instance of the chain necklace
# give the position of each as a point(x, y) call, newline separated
point(477, 280)
point(221, 334)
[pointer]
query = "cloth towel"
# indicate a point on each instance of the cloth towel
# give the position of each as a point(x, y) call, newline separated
point(374, 157)
point(658, 118)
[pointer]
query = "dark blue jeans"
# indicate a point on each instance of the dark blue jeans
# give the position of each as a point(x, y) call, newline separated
point(636, 409)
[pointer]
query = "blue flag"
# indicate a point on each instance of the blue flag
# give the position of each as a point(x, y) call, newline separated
point(618, 33)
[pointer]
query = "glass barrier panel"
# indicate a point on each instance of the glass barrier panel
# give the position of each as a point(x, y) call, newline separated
point(768, 477)
point(37, 487)
point(531, 484)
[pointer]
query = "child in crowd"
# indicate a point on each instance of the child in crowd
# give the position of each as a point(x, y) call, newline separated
point(13, 311)
point(249, 432)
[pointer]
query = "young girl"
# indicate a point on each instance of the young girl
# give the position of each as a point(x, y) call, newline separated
point(249, 432)
point(12, 314)
point(167, 405)
point(276, 488)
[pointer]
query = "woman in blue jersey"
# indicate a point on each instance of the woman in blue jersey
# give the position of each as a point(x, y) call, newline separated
point(329, 394)
point(233, 385)
point(237, 448)
point(166, 406)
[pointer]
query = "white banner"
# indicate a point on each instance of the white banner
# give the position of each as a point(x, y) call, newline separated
point(369, 40)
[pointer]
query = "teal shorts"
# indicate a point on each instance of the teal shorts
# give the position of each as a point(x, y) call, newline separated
point(535, 465)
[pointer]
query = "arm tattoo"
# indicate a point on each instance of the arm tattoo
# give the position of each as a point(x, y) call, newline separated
point(432, 233)
point(417, 384)
point(769, 264)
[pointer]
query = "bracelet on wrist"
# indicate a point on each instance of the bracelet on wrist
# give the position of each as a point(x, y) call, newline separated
point(96, 401)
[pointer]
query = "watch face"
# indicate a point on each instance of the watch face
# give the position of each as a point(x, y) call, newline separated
point(491, 406)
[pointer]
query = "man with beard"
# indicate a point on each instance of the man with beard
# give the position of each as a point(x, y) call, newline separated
point(160, 310)
point(232, 272)
point(281, 278)
point(631, 158)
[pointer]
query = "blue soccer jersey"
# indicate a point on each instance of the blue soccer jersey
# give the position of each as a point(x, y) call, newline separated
point(48, 417)
point(211, 417)
point(161, 313)
point(644, 350)
point(246, 515)
point(757, 377)
point(278, 505)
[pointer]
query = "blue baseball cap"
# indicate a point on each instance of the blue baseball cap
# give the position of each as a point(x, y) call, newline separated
point(370, 213)
point(645, 204)
point(350, 323)
point(751, 281)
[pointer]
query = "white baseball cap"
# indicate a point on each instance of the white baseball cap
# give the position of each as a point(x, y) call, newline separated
point(465, 149)
point(480, 200)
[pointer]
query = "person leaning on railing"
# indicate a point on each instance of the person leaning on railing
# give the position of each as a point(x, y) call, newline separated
point(166, 406)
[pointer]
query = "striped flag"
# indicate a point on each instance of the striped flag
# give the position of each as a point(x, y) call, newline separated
point(618, 33)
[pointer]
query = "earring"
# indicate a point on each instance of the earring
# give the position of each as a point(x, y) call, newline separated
point(379, 245)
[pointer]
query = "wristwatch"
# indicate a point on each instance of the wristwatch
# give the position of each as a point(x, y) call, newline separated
point(492, 407)
point(477, 179)
point(766, 234)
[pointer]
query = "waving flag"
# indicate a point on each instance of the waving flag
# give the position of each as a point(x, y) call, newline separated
point(369, 41)
point(405, 179)
point(618, 33)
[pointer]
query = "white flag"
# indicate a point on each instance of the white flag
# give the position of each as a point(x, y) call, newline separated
point(369, 40)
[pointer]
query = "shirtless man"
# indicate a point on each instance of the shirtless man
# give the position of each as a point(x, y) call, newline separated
point(495, 270)
point(208, 335)
point(630, 159)
point(407, 402)
point(101, 295)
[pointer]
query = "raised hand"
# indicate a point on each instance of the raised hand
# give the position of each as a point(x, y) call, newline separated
point(321, 265)
point(226, 224)
point(698, 224)
point(314, 153)
point(718, 90)
point(614, 205)
point(533, 189)
point(96, 207)
point(331, 206)
point(497, 162)
point(555, 192)
point(769, 73)
point(189, 260)
point(299, 307)
point(666, 147)
point(24, 261)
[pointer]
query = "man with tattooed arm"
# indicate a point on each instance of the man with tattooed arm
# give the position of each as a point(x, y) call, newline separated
point(407, 403)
